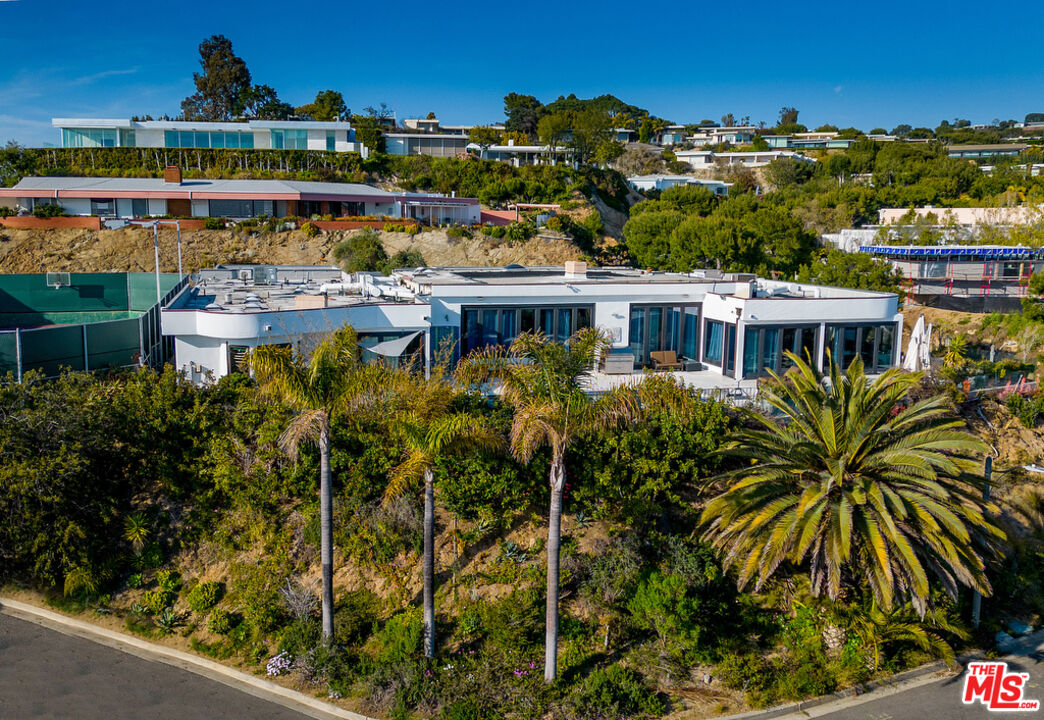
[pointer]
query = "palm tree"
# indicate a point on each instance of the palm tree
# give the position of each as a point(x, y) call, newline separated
point(332, 381)
point(542, 381)
point(861, 482)
point(877, 628)
point(429, 428)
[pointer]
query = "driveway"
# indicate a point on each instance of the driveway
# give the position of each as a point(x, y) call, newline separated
point(48, 674)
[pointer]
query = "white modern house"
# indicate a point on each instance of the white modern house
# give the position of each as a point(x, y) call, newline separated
point(708, 159)
point(248, 134)
point(425, 143)
point(713, 135)
point(176, 196)
point(519, 155)
point(722, 328)
point(644, 183)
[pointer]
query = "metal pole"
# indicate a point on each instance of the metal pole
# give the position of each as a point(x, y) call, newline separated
point(177, 224)
point(155, 240)
point(976, 610)
point(18, 353)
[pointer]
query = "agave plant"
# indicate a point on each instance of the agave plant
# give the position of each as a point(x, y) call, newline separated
point(168, 620)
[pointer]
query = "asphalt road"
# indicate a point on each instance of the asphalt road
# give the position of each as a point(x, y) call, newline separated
point(48, 674)
point(942, 700)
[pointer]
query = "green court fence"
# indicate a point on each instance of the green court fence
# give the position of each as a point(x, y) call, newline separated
point(96, 321)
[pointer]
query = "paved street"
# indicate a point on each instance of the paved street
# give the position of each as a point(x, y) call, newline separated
point(47, 674)
point(942, 700)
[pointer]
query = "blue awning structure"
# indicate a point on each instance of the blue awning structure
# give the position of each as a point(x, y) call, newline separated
point(948, 251)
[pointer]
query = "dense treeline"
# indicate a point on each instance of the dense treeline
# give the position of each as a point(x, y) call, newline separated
point(776, 232)
point(492, 182)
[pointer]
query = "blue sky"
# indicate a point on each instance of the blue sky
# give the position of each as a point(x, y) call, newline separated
point(863, 65)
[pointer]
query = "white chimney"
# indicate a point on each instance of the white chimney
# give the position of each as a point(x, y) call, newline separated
point(576, 269)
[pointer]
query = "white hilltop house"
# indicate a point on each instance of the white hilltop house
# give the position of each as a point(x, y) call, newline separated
point(717, 330)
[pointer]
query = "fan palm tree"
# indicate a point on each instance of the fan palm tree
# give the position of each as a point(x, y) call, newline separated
point(429, 427)
point(542, 381)
point(860, 482)
point(332, 381)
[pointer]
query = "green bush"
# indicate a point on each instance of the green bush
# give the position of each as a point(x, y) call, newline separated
point(158, 600)
point(6, 211)
point(355, 615)
point(399, 639)
point(214, 223)
point(222, 622)
point(614, 693)
point(169, 580)
point(310, 230)
point(204, 596)
point(48, 210)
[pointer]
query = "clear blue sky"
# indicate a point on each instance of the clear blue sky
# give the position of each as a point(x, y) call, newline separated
point(861, 64)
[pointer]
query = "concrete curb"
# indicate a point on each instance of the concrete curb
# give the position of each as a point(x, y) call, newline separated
point(244, 682)
point(850, 697)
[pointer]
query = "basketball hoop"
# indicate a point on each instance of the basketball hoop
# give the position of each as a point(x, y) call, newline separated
point(58, 280)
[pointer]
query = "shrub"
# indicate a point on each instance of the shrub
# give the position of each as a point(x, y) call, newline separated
point(400, 638)
point(47, 210)
point(355, 615)
point(613, 692)
point(204, 596)
point(310, 230)
point(214, 223)
point(135, 581)
point(169, 580)
point(6, 211)
point(158, 600)
point(221, 622)
point(458, 231)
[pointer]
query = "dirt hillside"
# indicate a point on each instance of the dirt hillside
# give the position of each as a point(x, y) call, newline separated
point(131, 249)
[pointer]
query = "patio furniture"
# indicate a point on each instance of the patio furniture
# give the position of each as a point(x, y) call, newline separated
point(618, 363)
point(665, 360)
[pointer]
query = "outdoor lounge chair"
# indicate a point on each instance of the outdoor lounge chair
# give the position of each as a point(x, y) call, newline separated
point(665, 360)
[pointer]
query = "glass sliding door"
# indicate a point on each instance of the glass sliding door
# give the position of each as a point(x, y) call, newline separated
point(714, 342)
point(770, 350)
point(565, 325)
point(637, 335)
point(691, 333)
point(874, 344)
point(751, 341)
point(730, 350)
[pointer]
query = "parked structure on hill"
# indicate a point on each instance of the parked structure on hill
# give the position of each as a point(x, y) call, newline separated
point(708, 159)
point(197, 197)
point(645, 183)
point(720, 328)
point(249, 134)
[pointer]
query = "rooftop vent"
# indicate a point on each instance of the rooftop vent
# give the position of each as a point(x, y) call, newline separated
point(172, 174)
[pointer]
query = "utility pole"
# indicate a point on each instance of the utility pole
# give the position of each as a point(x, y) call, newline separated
point(976, 609)
point(155, 242)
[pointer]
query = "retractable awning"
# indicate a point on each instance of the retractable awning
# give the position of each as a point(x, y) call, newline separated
point(394, 348)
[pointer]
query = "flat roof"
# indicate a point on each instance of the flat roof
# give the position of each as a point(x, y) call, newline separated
point(950, 250)
point(239, 125)
point(200, 188)
point(973, 148)
point(265, 288)
point(556, 275)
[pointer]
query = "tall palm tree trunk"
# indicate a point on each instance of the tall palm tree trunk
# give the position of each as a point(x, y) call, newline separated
point(554, 541)
point(326, 532)
point(429, 564)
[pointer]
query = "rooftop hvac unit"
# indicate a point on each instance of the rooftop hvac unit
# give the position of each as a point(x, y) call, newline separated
point(265, 275)
point(246, 274)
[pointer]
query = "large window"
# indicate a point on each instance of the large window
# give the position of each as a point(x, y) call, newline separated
point(713, 340)
point(765, 348)
point(103, 206)
point(139, 207)
point(874, 344)
point(484, 326)
point(331, 140)
point(240, 208)
point(220, 140)
point(655, 328)
point(88, 137)
point(290, 139)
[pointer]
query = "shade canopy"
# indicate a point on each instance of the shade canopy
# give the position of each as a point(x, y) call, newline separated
point(394, 348)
